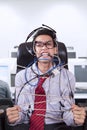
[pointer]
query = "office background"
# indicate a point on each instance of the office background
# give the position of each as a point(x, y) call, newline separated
point(19, 17)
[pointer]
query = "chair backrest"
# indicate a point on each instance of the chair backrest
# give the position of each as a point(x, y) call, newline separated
point(62, 52)
point(24, 58)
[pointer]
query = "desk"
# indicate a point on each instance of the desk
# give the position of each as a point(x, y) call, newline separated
point(81, 99)
point(80, 95)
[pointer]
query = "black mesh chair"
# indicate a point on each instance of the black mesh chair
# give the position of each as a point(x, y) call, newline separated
point(24, 58)
point(62, 52)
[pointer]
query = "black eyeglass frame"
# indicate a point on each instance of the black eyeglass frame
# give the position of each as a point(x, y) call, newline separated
point(41, 44)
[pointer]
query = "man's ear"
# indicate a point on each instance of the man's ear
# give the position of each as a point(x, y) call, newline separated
point(56, 50)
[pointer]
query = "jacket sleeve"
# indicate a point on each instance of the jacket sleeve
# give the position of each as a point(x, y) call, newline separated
point(68, 88)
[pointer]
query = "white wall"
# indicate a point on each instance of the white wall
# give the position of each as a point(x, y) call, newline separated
point(19, 17)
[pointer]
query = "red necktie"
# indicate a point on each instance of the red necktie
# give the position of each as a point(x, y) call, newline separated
point(37, 118)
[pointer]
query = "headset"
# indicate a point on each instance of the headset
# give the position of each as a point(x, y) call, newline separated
point(33, 33)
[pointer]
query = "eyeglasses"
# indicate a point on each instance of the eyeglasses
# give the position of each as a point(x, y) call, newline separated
point(40, 44)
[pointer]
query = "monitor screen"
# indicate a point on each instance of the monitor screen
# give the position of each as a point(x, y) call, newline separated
point(5, 73)
point(80, 72)
point(13, 80)
point(79, 68)
point(71, 54)
point(8, 68)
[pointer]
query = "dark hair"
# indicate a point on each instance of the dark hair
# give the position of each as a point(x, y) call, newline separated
point(45, 31)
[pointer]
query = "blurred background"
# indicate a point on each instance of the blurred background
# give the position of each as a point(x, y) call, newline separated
point(19, 17)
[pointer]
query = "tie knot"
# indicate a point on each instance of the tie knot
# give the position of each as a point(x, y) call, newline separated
point(41, 80)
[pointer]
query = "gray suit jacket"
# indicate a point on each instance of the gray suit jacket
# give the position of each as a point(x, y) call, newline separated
point(4, 90)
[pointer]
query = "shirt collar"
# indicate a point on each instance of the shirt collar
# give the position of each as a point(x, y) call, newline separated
point(53, 70)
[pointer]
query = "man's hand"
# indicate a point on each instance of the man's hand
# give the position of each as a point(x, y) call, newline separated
point(13, 114)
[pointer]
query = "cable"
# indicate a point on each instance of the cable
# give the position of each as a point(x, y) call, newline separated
point(49, 28)
point(35, 30)
point(71, 93)
point(49, 72)
point(37, 76)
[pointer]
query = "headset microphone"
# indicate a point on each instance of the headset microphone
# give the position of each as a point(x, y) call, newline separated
point(49, 28)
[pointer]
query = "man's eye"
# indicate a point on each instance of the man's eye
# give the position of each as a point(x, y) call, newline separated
point(49, 43)
point(39, 44)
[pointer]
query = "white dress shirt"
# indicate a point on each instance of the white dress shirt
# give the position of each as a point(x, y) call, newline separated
point(59, 88)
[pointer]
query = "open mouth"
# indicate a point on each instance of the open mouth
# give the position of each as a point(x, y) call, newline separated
point(45, 54)
point(45, 57)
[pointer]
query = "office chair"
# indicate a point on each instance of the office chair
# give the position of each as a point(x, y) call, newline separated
point(62, 52)
point(24, 58)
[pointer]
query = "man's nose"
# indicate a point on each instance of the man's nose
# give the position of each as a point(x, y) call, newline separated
point(44, 45)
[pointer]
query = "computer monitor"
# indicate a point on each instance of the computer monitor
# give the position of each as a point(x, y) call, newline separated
point(79, 68)
point(13, 80)
point(71, 54)
point(5, 73)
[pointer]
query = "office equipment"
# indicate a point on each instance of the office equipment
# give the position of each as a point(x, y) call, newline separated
point(13, 80)
point(8, 71)
point(79, 68)
point(5, 73)
point(71, 52)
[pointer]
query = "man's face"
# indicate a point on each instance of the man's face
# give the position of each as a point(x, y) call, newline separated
point(44, 47)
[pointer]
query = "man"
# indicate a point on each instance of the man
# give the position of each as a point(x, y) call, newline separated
point(56, 102)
